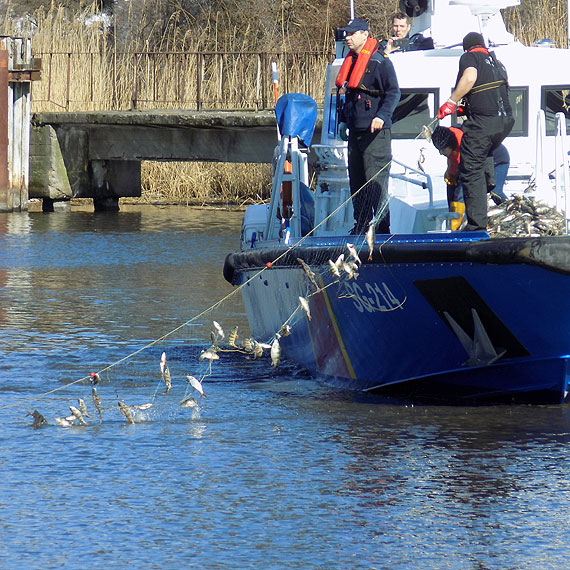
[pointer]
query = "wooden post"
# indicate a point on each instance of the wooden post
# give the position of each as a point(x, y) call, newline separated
point(5, 197)
point(17, 70)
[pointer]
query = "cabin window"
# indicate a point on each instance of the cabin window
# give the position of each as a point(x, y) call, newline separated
point(518, 97)
point(417, 107)
point(555, 99)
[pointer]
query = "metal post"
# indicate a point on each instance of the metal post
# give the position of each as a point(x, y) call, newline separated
point(199, 64)
point(67, 91)
point(562, 169)
point(134, 91)
point(5, 198)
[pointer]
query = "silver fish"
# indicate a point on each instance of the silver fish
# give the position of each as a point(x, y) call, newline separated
point(189, 403)
point(142, 406)
point(285, 330)
point(349, 269)
point(339, 260)
point(209, 354)
point(165, 372)
point(64, 422)
point(257, 349)
point(426, 132)
point(219, 329)
point(233, 336)
point(97, 402)
point(275, 352)
point(370, 237)
point(305, 306)
point(125, 410)
point(353, 252)
point(78, 415)
point(309, 273)
point(334, 268)
point(196, 384)
point(83, 407)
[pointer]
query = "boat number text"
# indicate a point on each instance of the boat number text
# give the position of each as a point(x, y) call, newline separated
point(372, 297)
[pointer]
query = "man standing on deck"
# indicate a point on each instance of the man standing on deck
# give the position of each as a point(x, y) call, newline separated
point(368, 93)
point(482, 80)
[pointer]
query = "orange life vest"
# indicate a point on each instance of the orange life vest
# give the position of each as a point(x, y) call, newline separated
point(453, 159)
point(367, 51)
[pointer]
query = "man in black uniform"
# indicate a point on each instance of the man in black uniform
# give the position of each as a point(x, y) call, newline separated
point(482, 80)
point(368, 85)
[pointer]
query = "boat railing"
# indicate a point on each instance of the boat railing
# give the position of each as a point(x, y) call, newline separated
point(562, 172)
point(333, 206)
point(420, 178)
point(291, 171)
point(540, 172)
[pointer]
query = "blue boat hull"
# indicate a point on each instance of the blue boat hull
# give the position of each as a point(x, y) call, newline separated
point(409, 327)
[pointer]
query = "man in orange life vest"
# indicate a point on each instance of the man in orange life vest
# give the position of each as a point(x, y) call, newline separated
point(482, 80)
point(369, 92)
point(448, 141)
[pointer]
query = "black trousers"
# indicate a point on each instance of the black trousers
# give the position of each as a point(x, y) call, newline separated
point(482, 135)
point(369, 157)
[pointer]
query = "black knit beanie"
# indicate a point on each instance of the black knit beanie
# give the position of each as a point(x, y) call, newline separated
point(472, 39)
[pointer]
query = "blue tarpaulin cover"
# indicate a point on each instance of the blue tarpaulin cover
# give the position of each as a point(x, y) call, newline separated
point(296, 116)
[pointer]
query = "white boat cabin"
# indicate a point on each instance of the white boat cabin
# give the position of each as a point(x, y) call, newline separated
point(539, 79)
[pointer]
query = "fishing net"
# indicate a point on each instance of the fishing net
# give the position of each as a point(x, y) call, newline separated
point(174, 371)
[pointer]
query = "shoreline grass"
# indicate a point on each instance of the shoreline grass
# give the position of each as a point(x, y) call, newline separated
point(101, 70)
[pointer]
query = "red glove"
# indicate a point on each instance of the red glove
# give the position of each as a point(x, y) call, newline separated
point(461, 111)
point(448, 108)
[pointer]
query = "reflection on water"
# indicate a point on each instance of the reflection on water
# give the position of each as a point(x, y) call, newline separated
point(273, 469)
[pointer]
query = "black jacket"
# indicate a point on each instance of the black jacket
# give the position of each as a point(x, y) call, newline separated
point(379, 97)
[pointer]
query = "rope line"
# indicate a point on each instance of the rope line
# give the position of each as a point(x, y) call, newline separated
point(234, 292)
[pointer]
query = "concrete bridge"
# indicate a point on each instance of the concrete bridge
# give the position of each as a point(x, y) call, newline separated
point(98, 154)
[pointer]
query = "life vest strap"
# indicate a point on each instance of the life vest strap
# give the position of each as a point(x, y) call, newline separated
point(487, 86)
point(343, 80)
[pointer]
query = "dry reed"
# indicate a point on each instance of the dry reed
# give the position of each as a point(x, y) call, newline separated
point(85, 69)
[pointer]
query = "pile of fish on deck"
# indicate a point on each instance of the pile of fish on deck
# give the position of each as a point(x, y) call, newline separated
point(523, 216)
point(520, 215)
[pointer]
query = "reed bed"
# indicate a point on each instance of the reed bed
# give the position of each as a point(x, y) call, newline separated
point(205, 183)
point(539, 19)
point(218, 59)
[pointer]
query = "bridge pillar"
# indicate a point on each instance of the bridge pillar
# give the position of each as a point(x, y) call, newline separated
point(109, 179)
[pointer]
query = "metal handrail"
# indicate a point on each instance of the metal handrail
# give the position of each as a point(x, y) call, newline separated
point(562, 172)
point(428, 184)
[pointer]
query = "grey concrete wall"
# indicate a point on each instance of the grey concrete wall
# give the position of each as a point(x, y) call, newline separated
point(48, 175)
point(102, 151)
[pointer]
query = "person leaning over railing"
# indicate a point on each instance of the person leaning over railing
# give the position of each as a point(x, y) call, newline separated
point(482, 81)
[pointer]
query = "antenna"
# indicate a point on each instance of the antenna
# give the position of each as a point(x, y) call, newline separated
point(352, 9)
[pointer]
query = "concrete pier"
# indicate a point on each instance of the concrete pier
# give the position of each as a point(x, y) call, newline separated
point(102, 151)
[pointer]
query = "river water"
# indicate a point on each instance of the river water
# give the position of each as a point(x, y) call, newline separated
point(274, 469)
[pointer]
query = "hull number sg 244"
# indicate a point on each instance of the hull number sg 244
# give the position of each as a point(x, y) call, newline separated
point(372, 297)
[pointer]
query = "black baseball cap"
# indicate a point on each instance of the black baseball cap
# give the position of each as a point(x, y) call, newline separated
point(355, 25)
